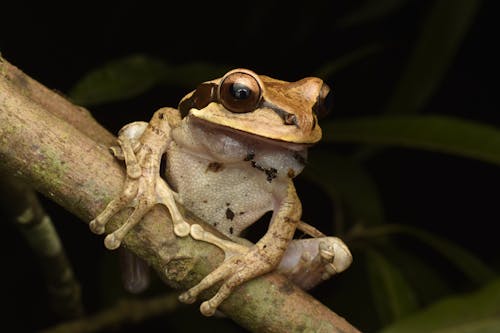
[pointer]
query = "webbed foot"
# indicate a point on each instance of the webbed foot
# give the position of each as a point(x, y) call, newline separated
point(142, 190)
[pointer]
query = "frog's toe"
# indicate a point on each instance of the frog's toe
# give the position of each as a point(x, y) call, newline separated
point(112, 242)
point(336, 256)
point(207, 309)
point(187, 297)
point(96, 227)
point(182, 229)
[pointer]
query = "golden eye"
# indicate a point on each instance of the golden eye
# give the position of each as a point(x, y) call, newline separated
point(240, 91)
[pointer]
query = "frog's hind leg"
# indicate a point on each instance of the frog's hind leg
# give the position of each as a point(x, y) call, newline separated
point(231, 251)
point(309, 261)
point(246, 263)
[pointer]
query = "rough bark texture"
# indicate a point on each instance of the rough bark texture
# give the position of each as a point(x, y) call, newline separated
point(60, 150)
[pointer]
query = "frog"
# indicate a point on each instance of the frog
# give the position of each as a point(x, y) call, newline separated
point(232, 149)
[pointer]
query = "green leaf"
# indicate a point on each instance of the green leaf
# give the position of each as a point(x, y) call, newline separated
point(133, 75)
point(426, 281)
point(332, 67)
point(345, 179)
point(192, 74)
point(471, 266)
point(369, 11)
point(435, 133)
point(440, 38)
point(392, 295)
point(471, 313)
point(118, 80)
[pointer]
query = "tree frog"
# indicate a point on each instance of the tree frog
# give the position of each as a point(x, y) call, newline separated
point(232, 149)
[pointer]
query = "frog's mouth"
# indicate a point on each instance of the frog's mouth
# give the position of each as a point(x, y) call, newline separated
point(242, 135)
point(262, 122)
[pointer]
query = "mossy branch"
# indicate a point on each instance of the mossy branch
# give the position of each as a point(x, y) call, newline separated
point(59, 149)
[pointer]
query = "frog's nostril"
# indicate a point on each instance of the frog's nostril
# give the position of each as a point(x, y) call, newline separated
point(291, 119)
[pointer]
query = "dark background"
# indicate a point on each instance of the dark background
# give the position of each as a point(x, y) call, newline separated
point(450, 196)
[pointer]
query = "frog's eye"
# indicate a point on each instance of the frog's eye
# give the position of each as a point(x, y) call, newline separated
point(325, 101)
point(240, 91)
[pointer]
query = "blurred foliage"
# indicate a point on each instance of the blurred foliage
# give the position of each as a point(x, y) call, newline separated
point(474, 312)
point(437, 45)
point(131, 76)
point(404, 278)
point(443, 134)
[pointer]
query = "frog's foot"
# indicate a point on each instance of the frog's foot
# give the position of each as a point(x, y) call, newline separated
point(309, 261)
point(143, 189)
point(241, 264)
point(335, 255)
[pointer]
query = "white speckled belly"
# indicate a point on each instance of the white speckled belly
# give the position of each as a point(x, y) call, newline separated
point(228, 179)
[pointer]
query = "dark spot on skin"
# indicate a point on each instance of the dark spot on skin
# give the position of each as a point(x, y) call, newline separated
point(241, 213)
point(299, 158)
point(229, 215)
point(215, 224)
point(228, 204)
point(161, 115)
point(205, 201)
point(250, 156)
point(271, 173)
point(231, 230)
point(290, 173)
point(289, 220)
point(264, 246)
point(215, 167)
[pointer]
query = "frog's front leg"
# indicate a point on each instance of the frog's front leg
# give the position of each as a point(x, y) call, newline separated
point(243, 263)
point(142, 146)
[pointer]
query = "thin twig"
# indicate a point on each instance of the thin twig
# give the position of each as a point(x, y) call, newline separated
point(22, 206)
point(127, 311)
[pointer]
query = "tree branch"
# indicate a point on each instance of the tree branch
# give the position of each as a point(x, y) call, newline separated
point(123, 312)
point(25, 210)
point(59, 149)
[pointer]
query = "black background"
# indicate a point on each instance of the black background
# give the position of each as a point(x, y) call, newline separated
point(454, 197)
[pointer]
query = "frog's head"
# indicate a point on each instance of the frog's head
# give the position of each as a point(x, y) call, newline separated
point(261, 105)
